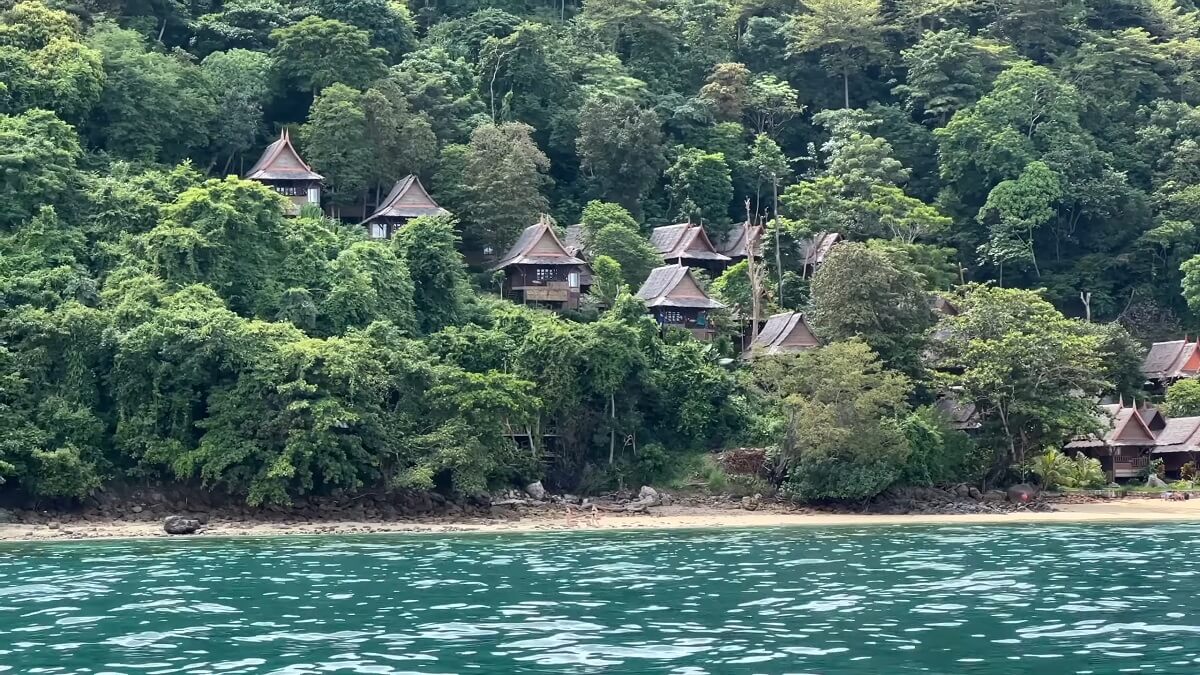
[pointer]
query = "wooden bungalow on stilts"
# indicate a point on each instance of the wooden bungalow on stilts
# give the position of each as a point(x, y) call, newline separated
point(281, 168)
point(408, 199)
point(688, 245)
point(675, 299)
point(538, 270)
point(1126, 442)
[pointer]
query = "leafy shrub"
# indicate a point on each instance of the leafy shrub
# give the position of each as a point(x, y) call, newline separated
point(1086, 472)
point(1057, 470)
point(1153, 467)
point(1188, 471)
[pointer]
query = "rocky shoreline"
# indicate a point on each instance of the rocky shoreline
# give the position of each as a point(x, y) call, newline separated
point(192, 511)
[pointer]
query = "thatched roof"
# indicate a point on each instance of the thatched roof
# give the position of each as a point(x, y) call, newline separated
point(674, 286)
point(407, 199)
point(280, 161)
point(538, 245)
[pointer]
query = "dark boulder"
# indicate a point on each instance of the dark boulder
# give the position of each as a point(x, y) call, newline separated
point(181, 525)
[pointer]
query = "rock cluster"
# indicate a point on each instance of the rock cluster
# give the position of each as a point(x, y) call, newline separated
point(959, 499)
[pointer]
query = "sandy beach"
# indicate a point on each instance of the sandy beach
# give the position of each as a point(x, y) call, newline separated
point(667, 517)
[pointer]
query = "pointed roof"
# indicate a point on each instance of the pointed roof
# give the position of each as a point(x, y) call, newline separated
point(1121, 425)
point(1171, 360)
point(686, 241)
point(817, 247)
point(674, 286)
point(573, 240)
point(1182, 434)
point(784, 333)
point(1153, 417)
point(538, 245)
point(408, 199)
point(280, 161)
point(735, 241)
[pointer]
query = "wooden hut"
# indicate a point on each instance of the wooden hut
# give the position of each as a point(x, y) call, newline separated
point(281, 168)
point(408, 199)
point(1124, 445)
point(675, 299)
point(784, 333)
point(539, 270)
point(689, 245)
point(1167, 362)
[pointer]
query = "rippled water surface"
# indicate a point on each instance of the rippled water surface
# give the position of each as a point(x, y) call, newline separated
point(981, 599)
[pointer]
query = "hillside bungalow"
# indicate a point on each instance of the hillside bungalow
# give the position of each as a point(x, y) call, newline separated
point(736, 242)
point(1167, 362)
point(675, 299)
point(689, 245)
point(281, 168)
point(538, 270)
point(407, 200)
point(1124, 446)
point(784, 333)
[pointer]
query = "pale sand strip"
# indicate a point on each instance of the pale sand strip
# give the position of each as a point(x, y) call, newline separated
point(1132, 510)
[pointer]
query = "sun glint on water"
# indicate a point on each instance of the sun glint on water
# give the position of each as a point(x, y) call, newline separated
point(980, 599)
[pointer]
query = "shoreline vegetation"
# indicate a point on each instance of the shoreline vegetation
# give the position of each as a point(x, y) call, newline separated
point(821, 252)
point(554, 518)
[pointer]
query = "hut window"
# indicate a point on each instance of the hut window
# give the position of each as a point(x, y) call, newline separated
point(378, 231)
point(314, 195)
point(290, 190)
point(573, 279)
point(544, 274)
point(672, 316)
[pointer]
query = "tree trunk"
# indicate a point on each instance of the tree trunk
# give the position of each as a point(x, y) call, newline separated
point(846, 85)
point(612, 429)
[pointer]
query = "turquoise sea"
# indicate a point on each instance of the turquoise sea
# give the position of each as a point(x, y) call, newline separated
point(979, 599)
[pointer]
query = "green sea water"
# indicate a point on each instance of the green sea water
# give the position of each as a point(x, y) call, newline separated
point(980, 599)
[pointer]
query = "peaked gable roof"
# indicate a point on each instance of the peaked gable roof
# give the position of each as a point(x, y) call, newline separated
point(1170, 360)
point(674, 286)
point(407, 199)
point(784, 333)
point(538, 245)
point(572, 240)
point(1122, 426)
point(686, 241)
point(735, 242)
point(1129, 429)
point(817, 248)
point(280, 161)
point(1182, 434)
